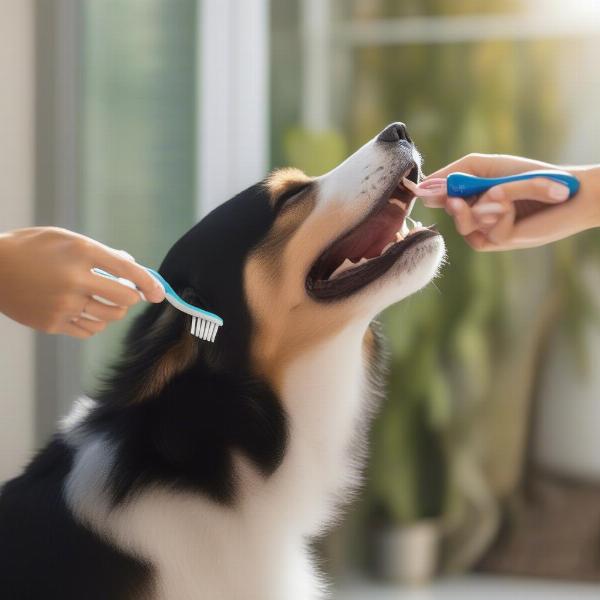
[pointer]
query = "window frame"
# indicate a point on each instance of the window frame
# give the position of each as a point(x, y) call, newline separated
point(233, 57)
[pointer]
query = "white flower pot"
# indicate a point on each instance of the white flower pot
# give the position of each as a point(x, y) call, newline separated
point(407, 554)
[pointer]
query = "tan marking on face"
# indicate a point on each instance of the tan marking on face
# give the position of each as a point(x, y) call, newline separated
point(281, 180)
point(286, 320)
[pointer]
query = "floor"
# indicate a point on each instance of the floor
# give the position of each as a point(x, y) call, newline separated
point(473, 587)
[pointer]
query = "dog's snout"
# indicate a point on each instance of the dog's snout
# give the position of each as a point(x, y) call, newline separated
point(394, 133)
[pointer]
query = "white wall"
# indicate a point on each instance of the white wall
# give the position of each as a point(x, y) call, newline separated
point(16, 210)
point(233, 92)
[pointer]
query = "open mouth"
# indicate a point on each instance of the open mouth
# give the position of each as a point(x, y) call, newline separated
point(369, 249)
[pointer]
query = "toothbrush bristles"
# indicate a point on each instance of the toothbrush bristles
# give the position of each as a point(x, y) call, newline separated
point(205, 330)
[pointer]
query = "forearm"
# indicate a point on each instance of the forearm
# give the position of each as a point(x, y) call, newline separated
point(588, 197)
point(6, 248)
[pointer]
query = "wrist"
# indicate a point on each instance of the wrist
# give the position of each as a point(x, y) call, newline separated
point(6, 258)
point(589, 177)
point(5, 245)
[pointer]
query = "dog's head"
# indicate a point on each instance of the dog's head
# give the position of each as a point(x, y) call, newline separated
point(295, 259)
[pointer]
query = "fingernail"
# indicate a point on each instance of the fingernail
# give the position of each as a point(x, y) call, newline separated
point(126, 255)
point(489, 208)
point(558, 191)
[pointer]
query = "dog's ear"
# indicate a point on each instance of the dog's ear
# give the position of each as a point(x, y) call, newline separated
point(157, 348)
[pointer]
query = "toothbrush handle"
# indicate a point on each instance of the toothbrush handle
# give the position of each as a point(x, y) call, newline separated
point(126, 282)
point(152, 272)
point(464, 185)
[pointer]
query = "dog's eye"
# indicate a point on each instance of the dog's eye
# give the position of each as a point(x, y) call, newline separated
point(290, 195)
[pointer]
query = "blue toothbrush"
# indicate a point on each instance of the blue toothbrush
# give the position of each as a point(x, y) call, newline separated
point(464, 185)
point(205, 325)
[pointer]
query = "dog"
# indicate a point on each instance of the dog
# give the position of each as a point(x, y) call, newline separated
point(203, 471)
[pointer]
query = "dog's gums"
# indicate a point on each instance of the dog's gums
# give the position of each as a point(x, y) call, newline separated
point(370, 248)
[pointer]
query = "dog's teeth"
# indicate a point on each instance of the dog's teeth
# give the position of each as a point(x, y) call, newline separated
point(416, 225)
point(404, 230)
point(386, 248)
point(396, 202)
point(347, 264)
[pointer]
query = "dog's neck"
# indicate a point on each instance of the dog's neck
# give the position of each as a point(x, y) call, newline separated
point(326, 393)
point(326, 381)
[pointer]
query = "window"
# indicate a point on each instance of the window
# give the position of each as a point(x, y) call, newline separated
point(137, 106)
point(150, 114)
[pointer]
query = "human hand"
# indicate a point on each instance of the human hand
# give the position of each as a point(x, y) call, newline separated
point(520, 214)
point(46, 281)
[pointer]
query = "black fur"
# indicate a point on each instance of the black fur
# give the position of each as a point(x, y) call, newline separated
point(46, 554)
point(181, 437)
point(184, 436)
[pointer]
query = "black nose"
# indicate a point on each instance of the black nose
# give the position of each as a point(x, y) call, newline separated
point(394, 133)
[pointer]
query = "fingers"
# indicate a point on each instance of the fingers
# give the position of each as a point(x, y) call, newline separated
point(94, 319)
point(117, 264)
point(91, 327)
point(495, 213)
point(113, 291)
point(82, 328)
point(464, 220)
point(478, 241)
point(488, 213)
point(486, 224)
point(102, 312)
point(501, 231)
point(548, 226)
point(501, 203)
point(75, 331)
point(434, 201)
point(540, 189)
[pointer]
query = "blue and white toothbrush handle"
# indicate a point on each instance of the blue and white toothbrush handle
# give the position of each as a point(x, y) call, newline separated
point(204, 324)
point(464, 185)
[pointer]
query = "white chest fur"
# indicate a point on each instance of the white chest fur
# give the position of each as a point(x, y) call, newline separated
point(257, 549)
point(324, 394)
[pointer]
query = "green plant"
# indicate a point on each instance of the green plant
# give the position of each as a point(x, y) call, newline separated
point(450, 438)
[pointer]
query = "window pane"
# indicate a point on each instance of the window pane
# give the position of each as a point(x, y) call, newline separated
point(138, 131)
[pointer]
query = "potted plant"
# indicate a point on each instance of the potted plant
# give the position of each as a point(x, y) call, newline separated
point(408, 471)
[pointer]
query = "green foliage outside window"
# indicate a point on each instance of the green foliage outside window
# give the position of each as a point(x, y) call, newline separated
point(464, 351)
